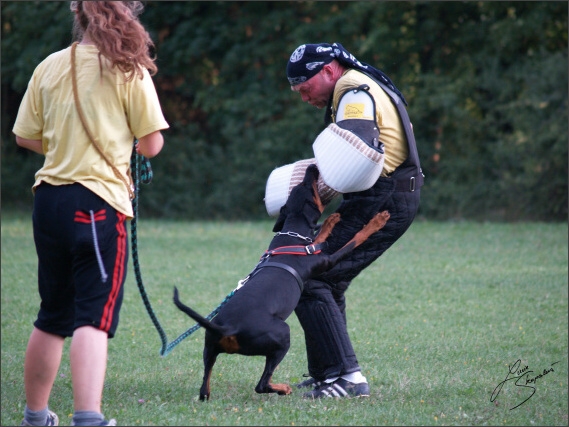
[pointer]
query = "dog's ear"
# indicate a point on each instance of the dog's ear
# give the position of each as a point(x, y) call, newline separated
point(311, 173)
point(281, 219)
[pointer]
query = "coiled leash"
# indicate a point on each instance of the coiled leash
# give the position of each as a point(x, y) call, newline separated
point(142, 172)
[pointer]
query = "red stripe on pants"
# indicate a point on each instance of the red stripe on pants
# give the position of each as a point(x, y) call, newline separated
point(85, 218)
point(118, 273)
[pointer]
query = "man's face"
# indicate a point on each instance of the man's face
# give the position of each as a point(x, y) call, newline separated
point(316, 90)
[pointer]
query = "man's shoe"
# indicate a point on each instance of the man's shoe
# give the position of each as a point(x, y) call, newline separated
point(52, 420)
point(338, 388)
point(310, 382)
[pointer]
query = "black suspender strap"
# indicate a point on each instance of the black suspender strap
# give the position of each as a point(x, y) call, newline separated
point(414, 182)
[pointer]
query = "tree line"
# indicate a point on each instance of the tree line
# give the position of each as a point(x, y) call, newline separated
point(486, 84)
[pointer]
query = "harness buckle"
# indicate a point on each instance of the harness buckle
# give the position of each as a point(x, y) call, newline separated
point(310, 249)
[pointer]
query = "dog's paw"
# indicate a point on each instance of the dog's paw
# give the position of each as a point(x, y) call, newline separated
point(380, 219)
point(282, 389)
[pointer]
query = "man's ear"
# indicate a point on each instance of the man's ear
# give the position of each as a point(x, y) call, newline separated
point(328, 72)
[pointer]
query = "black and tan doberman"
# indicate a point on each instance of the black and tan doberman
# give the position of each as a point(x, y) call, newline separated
point(252, 322)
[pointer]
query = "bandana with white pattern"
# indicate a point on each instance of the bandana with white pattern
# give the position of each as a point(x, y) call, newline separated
point(308, 59)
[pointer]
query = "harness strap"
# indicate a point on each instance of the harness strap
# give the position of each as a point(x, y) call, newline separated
point(295, 250)
point(410, 184)
point(287, 268)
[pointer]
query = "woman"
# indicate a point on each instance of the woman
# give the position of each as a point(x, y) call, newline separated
point(84, 107)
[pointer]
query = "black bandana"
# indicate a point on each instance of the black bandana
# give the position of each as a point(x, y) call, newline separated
point(308, 59)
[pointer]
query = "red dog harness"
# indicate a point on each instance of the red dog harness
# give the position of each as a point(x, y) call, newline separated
point(295, 250)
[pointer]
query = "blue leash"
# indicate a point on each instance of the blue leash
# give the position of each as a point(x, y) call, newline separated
point(142, 172)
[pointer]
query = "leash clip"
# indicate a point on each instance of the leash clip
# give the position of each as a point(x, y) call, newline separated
point(241, 282)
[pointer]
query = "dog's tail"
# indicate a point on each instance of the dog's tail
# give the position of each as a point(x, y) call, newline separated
point(202, 321)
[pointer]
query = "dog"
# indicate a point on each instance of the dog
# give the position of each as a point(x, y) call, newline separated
point(252, 322)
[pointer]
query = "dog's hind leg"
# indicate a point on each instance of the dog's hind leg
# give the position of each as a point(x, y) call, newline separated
point(281, 343)
point(265, 385)
point(209, 358)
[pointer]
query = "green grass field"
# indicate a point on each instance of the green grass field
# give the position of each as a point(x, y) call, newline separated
point(437, 322)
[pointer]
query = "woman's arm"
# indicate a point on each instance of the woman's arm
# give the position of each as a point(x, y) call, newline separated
point(151, 144)
point(30, 144)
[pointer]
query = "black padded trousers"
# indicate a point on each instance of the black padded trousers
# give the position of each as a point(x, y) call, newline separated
point(321, 310)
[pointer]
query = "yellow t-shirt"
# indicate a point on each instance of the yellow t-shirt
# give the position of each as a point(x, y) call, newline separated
point(115, 112)
point(391, 132)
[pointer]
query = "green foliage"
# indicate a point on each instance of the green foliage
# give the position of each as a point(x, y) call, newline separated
point(485, 81)
point(434, 330)
point(30, 32)
point(497, 113)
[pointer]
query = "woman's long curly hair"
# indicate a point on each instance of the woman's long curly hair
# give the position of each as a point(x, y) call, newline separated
point(113, 27)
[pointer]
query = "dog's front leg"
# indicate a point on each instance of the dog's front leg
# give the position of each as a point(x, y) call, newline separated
point(374, 225)
point(327, 228)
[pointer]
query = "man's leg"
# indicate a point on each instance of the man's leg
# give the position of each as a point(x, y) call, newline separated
point(328, 346)
point(331, 358)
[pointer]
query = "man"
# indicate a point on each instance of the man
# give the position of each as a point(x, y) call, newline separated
point(322, 73)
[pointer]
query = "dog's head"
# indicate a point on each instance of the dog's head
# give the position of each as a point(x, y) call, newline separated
point(303, 200)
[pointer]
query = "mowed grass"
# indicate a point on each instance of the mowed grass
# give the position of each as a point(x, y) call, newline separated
point(436, 322)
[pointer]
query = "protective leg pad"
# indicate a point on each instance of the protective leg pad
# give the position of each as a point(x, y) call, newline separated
point(328, 346)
